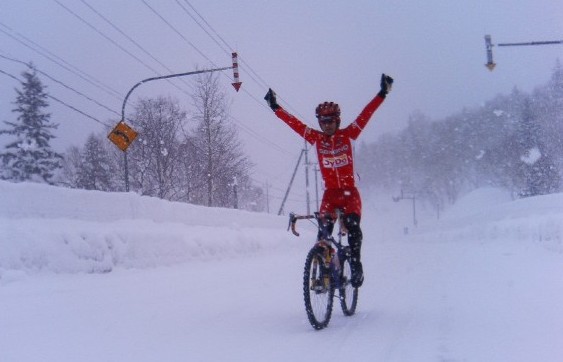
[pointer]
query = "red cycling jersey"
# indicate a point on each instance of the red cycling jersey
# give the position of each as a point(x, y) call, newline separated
point(334, 152)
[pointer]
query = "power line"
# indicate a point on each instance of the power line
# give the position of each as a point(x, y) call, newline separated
point(252, 73)
point(242, 126)
point(129, 38)
point(114, 42)
point(59, 61)
point(261, 103)
point(10, 75)
point(247, 129)
point(177, 32)
point(79, 111)
point(62, 102)
point(105, 36)
point(192, 45)
point(218, 36)
point(61, 83)
point(227, 51)
point(198, 23)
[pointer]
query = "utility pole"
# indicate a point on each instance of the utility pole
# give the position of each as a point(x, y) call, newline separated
point(290, 182)
point(307, 178)
point(317, 170)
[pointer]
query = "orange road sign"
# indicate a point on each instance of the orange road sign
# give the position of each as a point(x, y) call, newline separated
point(122, 135)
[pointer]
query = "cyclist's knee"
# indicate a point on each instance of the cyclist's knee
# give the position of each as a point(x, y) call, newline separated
point(352, 223)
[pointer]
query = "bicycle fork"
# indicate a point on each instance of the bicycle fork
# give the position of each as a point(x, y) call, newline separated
point(328, 266)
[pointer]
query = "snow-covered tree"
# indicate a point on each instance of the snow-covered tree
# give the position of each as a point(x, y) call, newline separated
point(28, 156)
point(215, 146)
point(96, 170)
point(548, 103)
point(154, 156)
point(95, 166)
point(514, 141)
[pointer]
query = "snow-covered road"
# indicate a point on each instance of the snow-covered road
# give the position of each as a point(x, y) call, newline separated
point(428, 296)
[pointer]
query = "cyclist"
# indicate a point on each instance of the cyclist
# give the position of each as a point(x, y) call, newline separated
point(334, 152)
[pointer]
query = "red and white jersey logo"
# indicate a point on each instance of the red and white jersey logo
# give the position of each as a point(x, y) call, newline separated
point(335, 162)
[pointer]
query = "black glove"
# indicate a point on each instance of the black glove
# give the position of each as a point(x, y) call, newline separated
point(271, 99)
point(386, 83)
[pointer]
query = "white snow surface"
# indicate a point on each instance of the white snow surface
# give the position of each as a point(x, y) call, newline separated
point(93, 276)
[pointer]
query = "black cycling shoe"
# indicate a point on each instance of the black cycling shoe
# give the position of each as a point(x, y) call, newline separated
point(357, 276)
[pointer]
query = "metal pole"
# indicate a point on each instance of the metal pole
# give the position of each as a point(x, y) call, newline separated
point(126, 171)
point(290, 182)
point(148, 80)
point(531, 43)
point(489, 48)
point(307, 178)
point(164, 77)
point(317, 186)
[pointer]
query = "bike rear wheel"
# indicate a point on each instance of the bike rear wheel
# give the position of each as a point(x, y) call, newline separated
point(348, 294)
point(318, 289)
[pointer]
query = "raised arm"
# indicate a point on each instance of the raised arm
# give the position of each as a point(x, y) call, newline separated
point(296, 124)
point(356, 127)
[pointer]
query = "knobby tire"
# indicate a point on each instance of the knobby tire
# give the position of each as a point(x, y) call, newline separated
point(348, 294)
point(317, 293)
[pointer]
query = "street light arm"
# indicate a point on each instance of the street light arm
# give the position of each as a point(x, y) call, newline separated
point(531, 43)
point(164, 77)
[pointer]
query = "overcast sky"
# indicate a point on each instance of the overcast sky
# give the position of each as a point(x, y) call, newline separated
point(307, 51)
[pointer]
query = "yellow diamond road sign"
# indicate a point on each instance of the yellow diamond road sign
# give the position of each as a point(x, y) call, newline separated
point(122, 135)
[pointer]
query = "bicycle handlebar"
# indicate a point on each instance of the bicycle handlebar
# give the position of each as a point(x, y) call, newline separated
point(293, 220)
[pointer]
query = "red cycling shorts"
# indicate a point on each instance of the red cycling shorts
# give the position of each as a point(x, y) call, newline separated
point(348, 200)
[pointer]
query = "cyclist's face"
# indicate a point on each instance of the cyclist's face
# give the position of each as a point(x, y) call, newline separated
point(328, 124)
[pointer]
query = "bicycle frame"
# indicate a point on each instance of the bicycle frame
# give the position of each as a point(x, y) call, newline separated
point(325, 235)
point(326, 270)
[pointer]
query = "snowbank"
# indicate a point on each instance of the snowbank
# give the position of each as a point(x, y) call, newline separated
point(489, 214)
point(46, 228)
point(52, 229)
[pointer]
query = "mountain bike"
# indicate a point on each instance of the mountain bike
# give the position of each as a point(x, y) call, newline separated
point(327, 270)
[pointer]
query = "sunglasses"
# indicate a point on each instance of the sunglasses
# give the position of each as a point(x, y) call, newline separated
point(327, 119)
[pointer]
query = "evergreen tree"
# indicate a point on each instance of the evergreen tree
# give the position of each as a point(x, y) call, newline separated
point(95, 169)
point(29, 157)
point(534, 166)
point(514, 142)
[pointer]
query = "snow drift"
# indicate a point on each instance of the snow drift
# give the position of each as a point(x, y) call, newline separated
point(46, 228)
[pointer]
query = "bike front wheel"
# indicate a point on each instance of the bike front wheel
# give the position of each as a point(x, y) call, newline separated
point(318, 289)
point(348, 294)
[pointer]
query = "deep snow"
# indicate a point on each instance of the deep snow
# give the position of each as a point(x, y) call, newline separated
point(92, 276)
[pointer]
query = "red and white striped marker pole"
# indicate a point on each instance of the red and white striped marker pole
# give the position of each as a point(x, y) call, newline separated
point(237, 82)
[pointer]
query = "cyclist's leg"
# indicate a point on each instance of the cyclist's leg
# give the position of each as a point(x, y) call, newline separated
point(327, 214)
point(352, 217)
point(355, 236)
